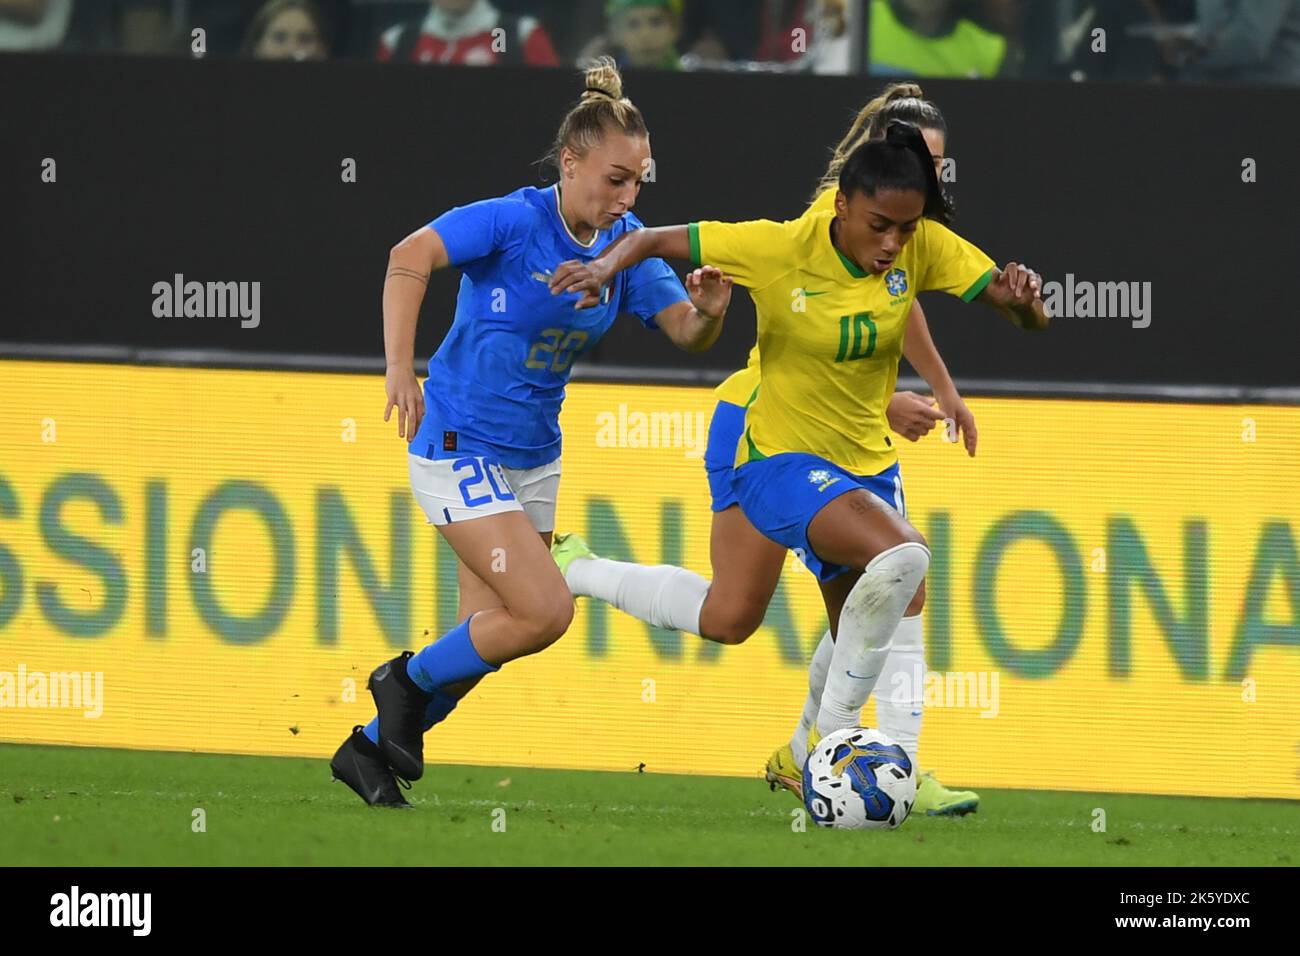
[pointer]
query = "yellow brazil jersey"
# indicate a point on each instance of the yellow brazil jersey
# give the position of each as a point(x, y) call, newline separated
point(829, 334)
point(739, 386)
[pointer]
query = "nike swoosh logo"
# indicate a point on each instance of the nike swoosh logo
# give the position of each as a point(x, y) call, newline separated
point(916, 713)
point(856, 677)
point(806, 292)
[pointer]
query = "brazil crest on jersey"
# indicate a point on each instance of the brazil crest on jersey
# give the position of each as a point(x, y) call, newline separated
point(830, 335)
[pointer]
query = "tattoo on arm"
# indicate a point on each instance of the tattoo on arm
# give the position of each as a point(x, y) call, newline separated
point(422, 277)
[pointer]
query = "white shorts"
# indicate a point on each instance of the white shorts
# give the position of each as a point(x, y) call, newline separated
point(457, 489)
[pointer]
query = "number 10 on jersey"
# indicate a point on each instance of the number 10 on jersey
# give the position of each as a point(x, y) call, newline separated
point(857, 323)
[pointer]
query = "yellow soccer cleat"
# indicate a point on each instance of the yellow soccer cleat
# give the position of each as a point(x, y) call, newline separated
point(566, 547)
point(814, 738)
point(935, 799)
point(782, 771)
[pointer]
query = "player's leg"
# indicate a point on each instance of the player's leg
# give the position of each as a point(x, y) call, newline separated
point(817, 669)
point(360, 762)
point(856, 531)
point(785, 766)
point(900, 705)
point(900, 697)
point(900, 719)
point(746, 570)
point(900, 689)
point(746, 565)
point(662, 595)
point(474, 596)
point(492, 525)
point(504, 551)
point(535, 490)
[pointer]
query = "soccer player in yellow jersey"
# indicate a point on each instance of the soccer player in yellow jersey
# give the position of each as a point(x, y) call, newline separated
point(814, 468)
point(746, 566)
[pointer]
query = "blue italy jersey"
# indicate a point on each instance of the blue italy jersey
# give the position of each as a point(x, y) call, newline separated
point(496, 383)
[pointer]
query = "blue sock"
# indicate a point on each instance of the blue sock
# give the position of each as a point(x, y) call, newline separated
point(437, 711)
point(449, 659)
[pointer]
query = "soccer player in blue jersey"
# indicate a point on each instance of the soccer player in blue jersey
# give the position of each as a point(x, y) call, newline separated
point(484, 434)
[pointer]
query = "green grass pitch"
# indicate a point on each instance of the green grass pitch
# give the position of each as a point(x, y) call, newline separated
point(84, 807)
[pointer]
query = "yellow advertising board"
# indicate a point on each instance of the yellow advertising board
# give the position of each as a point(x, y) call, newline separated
point(213, 560)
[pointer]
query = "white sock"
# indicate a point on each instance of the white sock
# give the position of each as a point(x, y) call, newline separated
point(870, 616)
point(900, 699)
point(662, 595)
point(821, 662)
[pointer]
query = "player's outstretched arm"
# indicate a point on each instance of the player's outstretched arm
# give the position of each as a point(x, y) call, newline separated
point(410, 264)
point(1016, 292)
point(922, 354)
point(695, 325)
point(665, 242)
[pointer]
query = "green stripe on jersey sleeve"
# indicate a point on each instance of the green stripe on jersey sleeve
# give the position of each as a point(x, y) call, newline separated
point(977, 286)
point(693, 236)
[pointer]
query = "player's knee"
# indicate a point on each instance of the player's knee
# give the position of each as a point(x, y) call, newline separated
point(865, 556)
point(730, 623)
point(891, 578)
point(734, 631)
point(559, 618)
point(907, 561)
point(545, 625)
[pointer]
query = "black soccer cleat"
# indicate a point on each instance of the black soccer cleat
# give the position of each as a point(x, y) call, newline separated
point(401, 705)
point(361, 765)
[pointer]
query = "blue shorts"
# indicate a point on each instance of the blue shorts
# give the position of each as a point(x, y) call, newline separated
point(720, 453)
point(781, 494)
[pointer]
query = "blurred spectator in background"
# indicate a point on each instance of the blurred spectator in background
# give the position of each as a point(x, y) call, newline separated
point(641, 33)
point(228, 25)
point(777, 21)
point(288, 30)
point(1095, 39)
point(746, 30)
point(930, 38)
point(832, 40)
point(1006, 18)
point(33, 24)
point(468, 31)
point(1242, 41)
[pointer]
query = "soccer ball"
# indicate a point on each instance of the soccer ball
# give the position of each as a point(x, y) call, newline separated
point(858, 779)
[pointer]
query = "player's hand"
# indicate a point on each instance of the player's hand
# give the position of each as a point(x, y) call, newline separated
point(587, 278)
point(709, 290)
point(404, 394)
point(1018, 289)
point(911, 415)
point(1017, 286)
point(954, 409)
